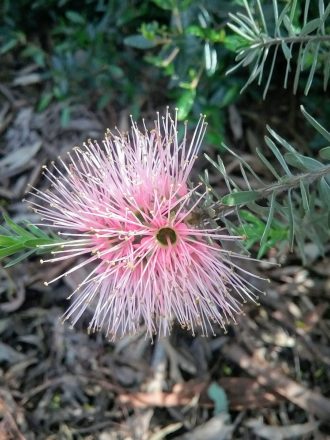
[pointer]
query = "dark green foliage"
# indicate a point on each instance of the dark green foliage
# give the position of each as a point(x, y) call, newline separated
point(192, 48)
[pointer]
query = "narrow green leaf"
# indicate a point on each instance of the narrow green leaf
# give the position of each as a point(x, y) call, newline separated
point(268, 165)
point(261, 13)
point(20, 258)
point(44, 101)
point(281, 140)
point(278, 155)
point(10, 250)
point(75, 17)
point(219, 166)
point(304, 195)
point(7, 241)
point(165, 4)
point(325, 153)
point(269, 220)
point(37, 232)
point(324, 189)
point(299, 66)
point(139, 42)
point(26, 240)
point(238, 31)
point(16, 228)
point(250, 18)
point(65, 116)
point(315, 124)
point(250, 217)
point(326, 13)
point(271, 71)
point(257, 70)
point(286, 51)
point(244, 23)
point(250, 57)
point(263, 249)
point(303, 162)
point(307, 52)
point(311, 26)
point(288, 25)
point(185, 103)
point(326, 71)
point(240, 198)
point(313, 68)
point(288, 68)
point(291, 220)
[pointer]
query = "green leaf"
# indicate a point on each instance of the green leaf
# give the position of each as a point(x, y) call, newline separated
point(311, 26)
point(17, 239)
point(291, 220)
point(75, 17)
point(7, 251)
point(37, 232)
point(45, 100)
point(278, 155)
point(269, 221)
point(240, 198)
point(16, 228)
point(323, 132)
point(303, 162)
point(325, 153)
point(165, 4)
point(139, 42)
point(286, 51)
point(234, 42)
point(324, 189)
point(7, 241)
point(169, 5)
point(196, 31)
point(19, 258)
point(185, 103)
point(65, 116)
point(250, 217)
point(304, 195)
point(8, 46)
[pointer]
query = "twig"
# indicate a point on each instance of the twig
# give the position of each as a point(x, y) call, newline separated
point(310, 401)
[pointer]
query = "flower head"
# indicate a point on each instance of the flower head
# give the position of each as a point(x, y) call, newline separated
point(128, 211)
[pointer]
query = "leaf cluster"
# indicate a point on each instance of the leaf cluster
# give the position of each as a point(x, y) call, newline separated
point(23, 241)
point(191, 48)
point(304, 44)
point(294, 209)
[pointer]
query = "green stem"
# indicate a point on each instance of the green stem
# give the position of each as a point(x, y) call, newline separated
point(286, 184)
point(294, 40)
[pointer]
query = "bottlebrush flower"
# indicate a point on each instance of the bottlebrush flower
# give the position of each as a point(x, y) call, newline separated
point(130, 215)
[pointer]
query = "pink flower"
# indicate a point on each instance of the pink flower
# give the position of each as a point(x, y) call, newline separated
point(130, 214)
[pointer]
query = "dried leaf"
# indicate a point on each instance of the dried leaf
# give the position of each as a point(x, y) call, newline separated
point(18, 160)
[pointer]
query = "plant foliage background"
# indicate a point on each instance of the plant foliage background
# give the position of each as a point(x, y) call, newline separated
point(259, 70)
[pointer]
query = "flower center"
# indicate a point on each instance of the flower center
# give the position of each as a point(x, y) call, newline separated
point(166, 236)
